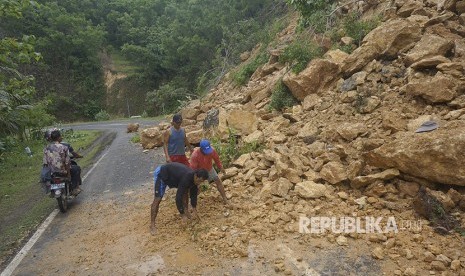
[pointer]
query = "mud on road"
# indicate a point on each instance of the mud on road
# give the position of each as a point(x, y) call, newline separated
point(111, 237)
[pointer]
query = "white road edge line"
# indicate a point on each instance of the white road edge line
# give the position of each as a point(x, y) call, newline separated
point(19, 257)
point(22, 253)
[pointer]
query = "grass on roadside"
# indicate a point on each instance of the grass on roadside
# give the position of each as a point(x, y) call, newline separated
point(23, 205)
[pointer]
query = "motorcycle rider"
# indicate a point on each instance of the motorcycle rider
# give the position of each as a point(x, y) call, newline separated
point(75, 169)
point(56, 156)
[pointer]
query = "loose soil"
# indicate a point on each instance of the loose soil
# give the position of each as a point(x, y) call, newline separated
point(111, 237)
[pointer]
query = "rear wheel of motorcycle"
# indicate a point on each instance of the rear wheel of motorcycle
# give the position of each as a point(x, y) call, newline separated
point(62, 203)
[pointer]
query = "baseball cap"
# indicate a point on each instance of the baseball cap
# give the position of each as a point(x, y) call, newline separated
point(205, 146)
point(177, 118)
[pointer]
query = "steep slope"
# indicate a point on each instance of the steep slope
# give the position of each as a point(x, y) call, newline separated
point(125, 95)
point(350, 148)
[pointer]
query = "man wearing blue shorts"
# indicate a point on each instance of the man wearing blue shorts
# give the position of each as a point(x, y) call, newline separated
point(185, 179)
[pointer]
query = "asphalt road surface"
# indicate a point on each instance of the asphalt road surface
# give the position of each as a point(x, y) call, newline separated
point(120, 167)
point(123, 165)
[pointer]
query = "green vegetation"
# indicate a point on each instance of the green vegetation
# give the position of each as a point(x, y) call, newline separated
point(314, 13)
point(300, 52)
point(232, 148)
point(180, 46)
point(102, 115)
point(281, 97)
point(136, 138)
point(243, 74)
point(17, 114)
point(319, 16)
point(123, 65)
point(356, 28)
point(23, 205)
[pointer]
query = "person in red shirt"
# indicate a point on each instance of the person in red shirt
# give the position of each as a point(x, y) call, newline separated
point(202, 158)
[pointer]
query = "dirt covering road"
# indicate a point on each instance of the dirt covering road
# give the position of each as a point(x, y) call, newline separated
point(112, 238)
point(106, 232)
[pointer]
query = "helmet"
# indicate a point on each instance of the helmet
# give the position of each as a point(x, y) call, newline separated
point(48, 133)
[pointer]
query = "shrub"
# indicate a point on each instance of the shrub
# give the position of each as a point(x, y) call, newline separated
point(299, 53)
point(314, 13)
point(347, 48)
point(135, 139)
point(168, 97)
point(242, 76)
point(102, 115)
point(281, 97)
point(254, 146)
point(232, 148)
point(356, 28)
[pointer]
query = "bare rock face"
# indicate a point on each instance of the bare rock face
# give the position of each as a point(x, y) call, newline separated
point(132, 128)
point(430, 155)
point(319, 74)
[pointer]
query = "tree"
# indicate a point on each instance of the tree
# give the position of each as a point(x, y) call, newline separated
point(16, 90)
point(71, 75)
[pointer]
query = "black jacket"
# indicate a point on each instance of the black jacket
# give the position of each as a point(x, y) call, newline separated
point(177, 175)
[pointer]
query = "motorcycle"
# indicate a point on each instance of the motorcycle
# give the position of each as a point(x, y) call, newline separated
point(59, 187)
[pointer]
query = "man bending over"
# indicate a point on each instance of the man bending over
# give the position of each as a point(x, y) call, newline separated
point(186, 180)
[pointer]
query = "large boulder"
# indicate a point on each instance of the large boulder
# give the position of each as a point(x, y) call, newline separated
point(389, 39)
point(437, 89)
point(319, 74)
point(333, 172)
point(310, 190)
point(436, 156)
point(242, 121)
point(282, 187)
point(195, 135)
point(429, 46)
point(132, 127)
point(151, 137)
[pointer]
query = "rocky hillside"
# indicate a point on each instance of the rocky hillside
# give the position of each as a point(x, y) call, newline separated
point(350, 148)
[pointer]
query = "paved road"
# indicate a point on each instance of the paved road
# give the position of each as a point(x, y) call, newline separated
point(121, 166)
